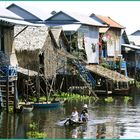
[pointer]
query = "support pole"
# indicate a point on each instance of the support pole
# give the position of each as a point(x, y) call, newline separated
point(106, 86)
point(38, 87)
point(7, 92)
point(15, 96)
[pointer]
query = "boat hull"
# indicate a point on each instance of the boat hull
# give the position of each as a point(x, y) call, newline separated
point(27, 108)
point(46, 105)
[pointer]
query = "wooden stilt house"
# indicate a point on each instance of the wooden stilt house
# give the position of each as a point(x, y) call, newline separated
point(41, 50)
point(8, 74)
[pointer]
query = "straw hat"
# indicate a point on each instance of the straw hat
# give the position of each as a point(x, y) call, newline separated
point(85, 106)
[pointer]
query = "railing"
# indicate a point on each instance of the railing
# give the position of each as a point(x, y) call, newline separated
point(85, 73)
point(9, 70)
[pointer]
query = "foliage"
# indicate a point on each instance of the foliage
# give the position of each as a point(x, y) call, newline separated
point(33, 133)
point(66, 96)
point(82, 54)
point(11, 109)
point(127, 98)
point(137, 84)
point(109, 99)
point(33, 126)
point(106, 65)
point(74, 96)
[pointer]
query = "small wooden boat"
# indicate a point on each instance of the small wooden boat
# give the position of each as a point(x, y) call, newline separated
point(46, 104)
point(75, 124)
point(26, 108)
point(67, 123)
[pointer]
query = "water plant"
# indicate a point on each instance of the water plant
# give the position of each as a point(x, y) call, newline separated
point(127, 98)
point(33, 133)
point(10, 109)
point(137, 84)
point(74, 96)
point(109, 99)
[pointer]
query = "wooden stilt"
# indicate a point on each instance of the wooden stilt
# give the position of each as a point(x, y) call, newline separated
point(7, 93)
point(38, 87)
point(106, 86)
point(15, 96)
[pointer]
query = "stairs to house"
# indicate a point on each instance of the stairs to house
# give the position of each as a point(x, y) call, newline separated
point(86, 77)
point(85, 73)
point(8, 87)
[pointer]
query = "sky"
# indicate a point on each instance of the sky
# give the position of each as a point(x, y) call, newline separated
point(125, 13)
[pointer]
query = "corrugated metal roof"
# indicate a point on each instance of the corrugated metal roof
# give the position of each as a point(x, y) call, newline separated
point(134, 47)
point(6, 13)
point(136, 33)
point(135, 39)
point(82, 19)
point(109, 21)
point(85, 19)
point(71, 27)
point(16, 22)
point(9, 17)
point(35, 11)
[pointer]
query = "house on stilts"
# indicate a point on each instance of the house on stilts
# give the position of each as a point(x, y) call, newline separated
point(8, 61)
point(95, 42)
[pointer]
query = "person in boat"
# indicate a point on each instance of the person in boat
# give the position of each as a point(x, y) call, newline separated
point(84, 117)
point(74, 117)
point(84, 114)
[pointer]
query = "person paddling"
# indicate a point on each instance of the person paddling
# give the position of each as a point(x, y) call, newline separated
point(74, 117)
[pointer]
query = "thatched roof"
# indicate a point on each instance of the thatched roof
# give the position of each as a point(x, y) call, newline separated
point(31, 38)
point(109, 74)
point(56, 33)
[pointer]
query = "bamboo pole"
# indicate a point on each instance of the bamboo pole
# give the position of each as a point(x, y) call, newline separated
point(7, 92)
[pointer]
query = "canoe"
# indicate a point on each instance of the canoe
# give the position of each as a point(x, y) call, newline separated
point(46, 105)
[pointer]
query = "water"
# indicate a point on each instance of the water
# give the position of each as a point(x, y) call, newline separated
point(119, 120)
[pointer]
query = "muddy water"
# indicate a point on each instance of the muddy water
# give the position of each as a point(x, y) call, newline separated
point(119, 119)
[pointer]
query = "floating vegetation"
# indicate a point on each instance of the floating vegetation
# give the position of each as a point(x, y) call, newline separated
point(33, 133)
point(137, 84)
point(65, 96)
point(74, 96)
point(10, 109)
point(109, 99)
point(127, 98)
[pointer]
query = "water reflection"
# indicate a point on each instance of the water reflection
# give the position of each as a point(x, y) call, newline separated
point(107, 120)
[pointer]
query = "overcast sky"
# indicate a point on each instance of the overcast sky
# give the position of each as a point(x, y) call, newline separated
point(125, 12)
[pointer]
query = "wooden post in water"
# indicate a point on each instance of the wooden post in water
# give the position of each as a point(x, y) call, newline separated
point(38, 87)
point(7, 92)
point(15, 96)
point(106, 81)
